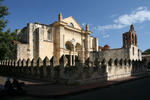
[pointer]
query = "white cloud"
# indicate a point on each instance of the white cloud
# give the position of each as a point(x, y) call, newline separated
point(113, 26)
point(136, 17)
point(140, 15)
point(106, 36)
point(141, 8)
point(83, 24)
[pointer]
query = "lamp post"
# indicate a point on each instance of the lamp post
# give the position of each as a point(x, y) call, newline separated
point(28, 53)
point(74, 44)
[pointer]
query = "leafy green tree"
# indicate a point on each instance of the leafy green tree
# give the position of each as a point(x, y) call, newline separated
point(146, 52)
point(3, 12)
point(7, 48)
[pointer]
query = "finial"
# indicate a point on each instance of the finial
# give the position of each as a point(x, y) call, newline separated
point(60, 17)
point(87, 27)
point(132, 27)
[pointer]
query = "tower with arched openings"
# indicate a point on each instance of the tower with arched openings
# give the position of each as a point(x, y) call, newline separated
point(130, 42)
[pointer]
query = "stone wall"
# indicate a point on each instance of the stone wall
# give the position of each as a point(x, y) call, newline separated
point(69, 35)
point(91, 71)
point(23, 34)
point(46, 49)
point(22, 51)
point(36, 35)
point(136, 54)
point(120, 53)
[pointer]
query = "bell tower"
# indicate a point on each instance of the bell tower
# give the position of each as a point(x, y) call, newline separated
point(130, 38)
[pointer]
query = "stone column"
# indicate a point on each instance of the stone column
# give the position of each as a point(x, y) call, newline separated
point(86, 46)
point(82, 51)
point(74, 55)
point(96, 45)
point(70, 59)
point(74, 44)
point(59, 41)
point(30, 40)
point(39, 42)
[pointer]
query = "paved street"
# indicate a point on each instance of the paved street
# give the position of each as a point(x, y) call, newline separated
point(134, 90)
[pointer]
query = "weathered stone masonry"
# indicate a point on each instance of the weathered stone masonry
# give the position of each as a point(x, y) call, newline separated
point(63, 37)
point(91, 71)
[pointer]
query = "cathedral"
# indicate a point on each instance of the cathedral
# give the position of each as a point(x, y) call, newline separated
point(63, 37)
point(67, 37)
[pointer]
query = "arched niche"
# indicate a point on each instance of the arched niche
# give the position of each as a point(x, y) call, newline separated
point(78, 47)
point(69, 46)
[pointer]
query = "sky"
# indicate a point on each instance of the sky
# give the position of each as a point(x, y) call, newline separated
point(107, 19)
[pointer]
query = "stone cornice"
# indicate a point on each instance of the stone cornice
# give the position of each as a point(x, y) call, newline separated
point(74, 29)
point(62, 23)
point(88, 32)
point(59, 23)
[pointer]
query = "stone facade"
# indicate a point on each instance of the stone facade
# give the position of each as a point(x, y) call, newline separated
point(128, 51)
point(67, 37)
point(22, 50)
point(90, 72)
point(64, 52)
point(63, 37)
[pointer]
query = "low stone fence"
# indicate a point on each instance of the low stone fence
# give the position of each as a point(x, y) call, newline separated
point(125, 68)
point(90, 71)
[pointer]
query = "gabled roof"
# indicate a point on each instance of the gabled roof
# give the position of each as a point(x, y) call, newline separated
point(70, 19)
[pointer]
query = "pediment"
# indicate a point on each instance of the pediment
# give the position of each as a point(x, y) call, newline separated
point(71, 21)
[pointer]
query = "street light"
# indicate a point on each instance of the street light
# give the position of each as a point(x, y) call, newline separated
point(28, 53)
point(74, 44)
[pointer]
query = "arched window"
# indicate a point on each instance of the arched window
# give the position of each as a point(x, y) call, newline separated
point(71, 24)
point(49, 35)
point(78, 47)
point(68, 47)
point(133, 38)
point(138, 53)
point(133, 50)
